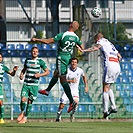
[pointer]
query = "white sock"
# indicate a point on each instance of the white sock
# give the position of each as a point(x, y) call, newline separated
point(105, 101)
point(112, 100)
point(59, 114)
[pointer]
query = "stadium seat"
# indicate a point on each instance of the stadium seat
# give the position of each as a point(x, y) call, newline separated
point(54, 46)
point(22, 54)
point(130, 73)
point(34, 108)
point(123, 94)
point(7, 87)
point(11, 47)
point(122, 73)
point(125, 80)
point(40, 99)
point(42, 80)
point(127, 47)
point(53, 108)
point(22, 60)
point(52, 66)
point(124, 60)
point(46, 47)
point(117, 80)
point(119, 87)
point(20, 47)
point(38, 45)
point(126, 101)
point(5, 53)
point(1, 45)
point(128, 87)
point(5, 80)
point(131, 60)
point(129, 108)
point(42, 53)
point(91, 108)
point(28, 47)
point(131, 94)
point(8, 94)
point(44, 108)
point(16, 109)
point(118, 47)
point(49, 99)
point(14, 53)
point(129, 54)
point(126, 66)
point(82, 108)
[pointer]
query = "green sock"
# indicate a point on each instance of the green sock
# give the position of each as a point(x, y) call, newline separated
point(67, 91)
point(28, 109)
point(22, 105)
point(2, 111)
point(52, 83)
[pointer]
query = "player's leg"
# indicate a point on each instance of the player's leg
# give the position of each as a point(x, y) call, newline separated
point(105, 99)
point(32, 96)
point(76, 99)
point(63, 100)
point(23, 103)
point(1, 106)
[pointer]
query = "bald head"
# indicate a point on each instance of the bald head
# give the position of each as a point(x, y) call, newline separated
point(74, 25)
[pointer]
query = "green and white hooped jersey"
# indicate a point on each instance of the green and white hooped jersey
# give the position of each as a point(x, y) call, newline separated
point(67, 40)
point(33, 67)
point(3, 69)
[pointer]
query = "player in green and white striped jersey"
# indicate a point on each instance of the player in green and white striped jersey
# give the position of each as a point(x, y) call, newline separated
point(3, 69)
point(66, 42)
point(32, 68)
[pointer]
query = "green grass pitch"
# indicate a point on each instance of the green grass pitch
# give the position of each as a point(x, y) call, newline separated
point(68, 127)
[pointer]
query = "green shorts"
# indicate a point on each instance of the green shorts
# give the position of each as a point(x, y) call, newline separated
point(1, 93)
point(29, 91)
point(62, 62)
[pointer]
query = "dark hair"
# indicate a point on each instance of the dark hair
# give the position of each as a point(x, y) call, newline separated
point(1, 54)
point(35, 47)
point(75, 59)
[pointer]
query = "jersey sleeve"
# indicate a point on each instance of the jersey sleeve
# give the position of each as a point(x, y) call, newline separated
point(58, 37)
point(78, 41)
point(43, 64)
point(82, 73)
point(6, 69)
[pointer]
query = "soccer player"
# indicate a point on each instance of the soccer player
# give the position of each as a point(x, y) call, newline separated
point(66, 41)
point(32, 68)
point(73, 78)
point(3, 69)
point(111, 69)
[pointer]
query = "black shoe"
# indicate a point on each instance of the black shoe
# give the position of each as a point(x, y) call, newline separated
point(112, 110)
point(106, 114)
point(57, 120)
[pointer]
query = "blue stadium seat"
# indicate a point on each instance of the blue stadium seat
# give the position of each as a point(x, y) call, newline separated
point(14, 53)
point(42, 80)
point(49, 99)
point(52, 66)
point(131, 60)
point(5, 53)
point(34, 108)
point(42, 53)
point(20, 47)
point(5, 80)
point(128, 87)
point(122, 73)
point(22, 54)
point(119, 87)
point(125, 80)
point(7, 87)
point(127, 47)
point(123, 94)
point(126, 101)
point(46, 47)
point(22, 60)
point(11, 47)
point(51, 73)
point(82, 108)
point(91, 108)
point(44, 108)
point(38, 45)
point(54, 46)
point(131, 94)
point(28, 47)
point(130, 73)
point(2, 45)
point(118, 47)
point(129, 54)
point(53, 108)
point(8, 94)
point(126, 66)
point(129, 108)
point(124, 60)
point(40, 99)
point(16, 109)
point(117, 80)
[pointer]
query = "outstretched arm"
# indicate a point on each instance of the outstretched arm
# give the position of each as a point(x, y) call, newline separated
point(80, 48)
point(93, 48)
point(47, 41)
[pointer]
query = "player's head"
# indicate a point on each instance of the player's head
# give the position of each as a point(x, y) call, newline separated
point(98, 36)
point(34, 52)
point(1, 58)
point(74, 25)
point(74, 63)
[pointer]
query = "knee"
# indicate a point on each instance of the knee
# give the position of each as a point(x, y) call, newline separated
point(62, 105)
point(1, 102)
point(23, 99)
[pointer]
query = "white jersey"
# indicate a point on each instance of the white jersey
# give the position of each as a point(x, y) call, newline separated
point(73, 86)
point(71, 74)
point(110, 60)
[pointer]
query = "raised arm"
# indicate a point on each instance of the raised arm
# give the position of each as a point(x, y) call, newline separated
point(47, 41)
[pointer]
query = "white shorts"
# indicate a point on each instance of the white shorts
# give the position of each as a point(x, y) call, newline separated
point(111, 72)
point(64, 99)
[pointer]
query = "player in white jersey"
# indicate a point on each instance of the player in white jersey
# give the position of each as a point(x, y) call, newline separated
point(73, 78)
point(111, 67)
